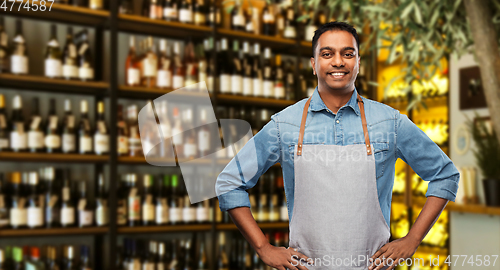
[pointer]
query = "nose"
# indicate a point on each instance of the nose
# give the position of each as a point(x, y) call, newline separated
point(337, 61)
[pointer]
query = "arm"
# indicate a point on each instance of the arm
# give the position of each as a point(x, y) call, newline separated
point(432, 164)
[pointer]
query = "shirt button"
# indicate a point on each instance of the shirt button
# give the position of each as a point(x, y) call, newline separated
point(338, 121)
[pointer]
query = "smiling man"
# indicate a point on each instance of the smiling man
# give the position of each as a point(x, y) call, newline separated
point(338, 151)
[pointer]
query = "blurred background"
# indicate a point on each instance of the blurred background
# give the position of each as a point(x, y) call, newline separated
point(76, 191)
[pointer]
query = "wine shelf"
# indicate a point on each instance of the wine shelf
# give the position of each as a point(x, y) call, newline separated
point(152, 93)
point(255, 101)
point(264, 226)
point(46, 157)
point(146, 26)
point(473, 209)
point(53, 231)
point(165, 229)
point(40, 83)
point(265, 41)
point(60, 13)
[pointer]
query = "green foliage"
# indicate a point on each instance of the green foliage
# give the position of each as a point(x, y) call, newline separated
point(487, 150)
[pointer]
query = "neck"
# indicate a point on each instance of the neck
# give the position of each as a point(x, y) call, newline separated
point(334, 100)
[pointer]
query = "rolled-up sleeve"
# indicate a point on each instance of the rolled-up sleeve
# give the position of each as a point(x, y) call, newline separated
point(427, 159)
point(244, 170)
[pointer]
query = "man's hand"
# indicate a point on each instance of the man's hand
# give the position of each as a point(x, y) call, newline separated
point(282, 258)
point(402, 248)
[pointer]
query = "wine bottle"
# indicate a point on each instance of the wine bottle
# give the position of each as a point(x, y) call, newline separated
point(34, 211)
point(179, 69)
point(209, 62)
point(268, 24)
point(257, 72)
point(191, 65)
point(185, 11)
point(279, 85)
point(68, 130)
point(282, 201)
point(204, 145)
point(101, 135)
point(247, 66)
point(69, 57)
point(52, 197)
point(52, 130)
point(289, 80)
point(121, 204)
point(18, 134)
point(223, 261)
point(188, 210)
point(35, 133)
point(85, 131)
point(161, 263)
point(134, 261)
point(237, 71)
point(170, 10)
point(175, 202)
point(96, 4)
point(134, 140)
point(274, 207)
point(53, 64)
point(147, 205)
point(177, 133)
point(132, 65)
point(238, 18)
point(202, 257)
point(122, 132)
point(4, 48)
point(102, 208)
point(164, 76)
point(166, 129)
point(84, 258)
point(268, 82)
point(51, 260)
point(161, 207)
point(224, 68)
point(149, 65)
point(4, 126)
point(133, 202)
point(69, 261)
point(19, 54)
point(126, 7)
point(85, 61)
point(199, 10)
point(149, 262)
point(190, 149)
point(17, 256)
point(84, 207)
point(67, 208)
point(280, 20)
point(17, 209)
point(289, 30)
point(4, 211)
point(214, 14)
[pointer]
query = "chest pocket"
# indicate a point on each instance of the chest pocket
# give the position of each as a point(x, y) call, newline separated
point(380, 150)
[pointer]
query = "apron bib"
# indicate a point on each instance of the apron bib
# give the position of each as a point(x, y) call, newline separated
point(336, 220)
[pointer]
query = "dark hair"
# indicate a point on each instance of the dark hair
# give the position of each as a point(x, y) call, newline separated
point(339, 26)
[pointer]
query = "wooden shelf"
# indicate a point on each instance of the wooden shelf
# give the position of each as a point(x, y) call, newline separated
point(61, 13)
point(53, 231)
point(46, 157)
point(432, 250)
point(264, 226)
point(265, 41)
point(152, 93)
point(165, 229)
point(41, 83)
point(145, 26)
point(142, 160)
point(473, 209)
point(256, 101)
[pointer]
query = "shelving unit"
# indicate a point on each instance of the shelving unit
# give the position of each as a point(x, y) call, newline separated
point(54, 232)
point(56, 157)
point(40, 83)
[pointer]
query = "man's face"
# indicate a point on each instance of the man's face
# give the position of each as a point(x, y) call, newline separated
point(336, 61)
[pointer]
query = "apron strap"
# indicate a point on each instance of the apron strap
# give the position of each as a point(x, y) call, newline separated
point(363, 121)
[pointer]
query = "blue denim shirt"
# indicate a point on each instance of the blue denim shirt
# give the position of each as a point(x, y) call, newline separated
point(392, 135)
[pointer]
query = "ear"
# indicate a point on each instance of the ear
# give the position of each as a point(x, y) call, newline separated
point(313, 65)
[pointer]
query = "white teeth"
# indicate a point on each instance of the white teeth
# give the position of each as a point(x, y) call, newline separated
point(337, 74)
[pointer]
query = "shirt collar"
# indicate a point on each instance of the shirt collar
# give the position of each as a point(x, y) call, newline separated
point(317, 103)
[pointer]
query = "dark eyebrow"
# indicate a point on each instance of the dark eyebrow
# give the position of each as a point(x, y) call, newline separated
point(343, 49)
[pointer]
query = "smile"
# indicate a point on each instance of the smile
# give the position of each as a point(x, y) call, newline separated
point(337, 75)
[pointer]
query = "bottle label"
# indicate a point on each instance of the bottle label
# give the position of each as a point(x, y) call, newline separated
point(85, 144)
point(202, 214)
point(18, 140)
point(68, 143)
point(170, 13)
point(85, 218)
point(148, 266)
point(122, 145)
point(35, 216)
point(19, 64)
point(149, 66)
point(309, 33)
point(202, 76)
point(188, 214)
point(101, 143)
point(175, 214)
point(164, 78)
point(133, 76)
point(284, 213)
point(279, 91)
point(18, 216)
point(86, 73)
point(121, 212)
point(53, 68)
point(70, 71)
point(199, 18)
point(290, 32)
point(236, 84)
point(185, 16)
point(189, 149)
point(3, 121)
point(162, 212)
point(135, 265)
point(267, 17)
point(160, 266)
point(203, 140)
point(225, 83)
point(257, 87)
point(210, 83)
point(148, 212)
point(239, 20)
point(134, 207)
point(177, 138)
point(35, 139)
point(4, 143)
point(268, 88)
point(280, 24)
point(67, 215)
point(52, 141)
point(102, 215)
point(247, 86)
point(177, 81)
point(95, 4)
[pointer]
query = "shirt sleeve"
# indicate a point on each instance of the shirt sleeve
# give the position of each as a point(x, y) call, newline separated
point(427, 159)
point(244, 170)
